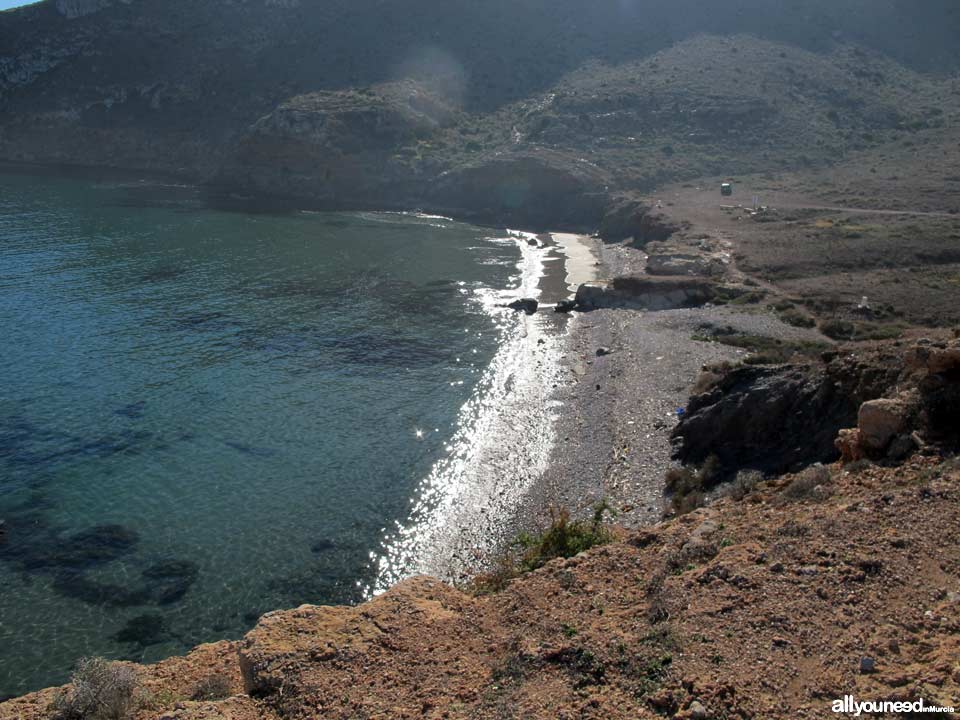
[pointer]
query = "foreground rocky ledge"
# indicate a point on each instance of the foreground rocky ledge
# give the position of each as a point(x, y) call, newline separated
point(772, 606)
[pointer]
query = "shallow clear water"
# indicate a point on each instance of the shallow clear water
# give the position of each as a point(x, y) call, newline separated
point(206, 415)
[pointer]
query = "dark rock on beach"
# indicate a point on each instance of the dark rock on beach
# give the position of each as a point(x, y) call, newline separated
point(526, 305)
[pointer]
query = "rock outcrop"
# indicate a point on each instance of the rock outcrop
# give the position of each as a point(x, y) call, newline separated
point(679, 260)
point(527, 306)
point(645, 293)
point(781, 418)
point(922, 412)
point(880, 421)
point(635, 219)
point(538, 189)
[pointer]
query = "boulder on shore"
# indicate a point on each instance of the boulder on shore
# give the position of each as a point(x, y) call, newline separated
point(526, 305)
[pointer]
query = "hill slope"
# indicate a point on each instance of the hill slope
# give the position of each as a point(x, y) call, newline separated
point(232, 90)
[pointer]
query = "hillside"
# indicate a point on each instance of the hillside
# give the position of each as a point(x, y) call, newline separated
point(506, 112)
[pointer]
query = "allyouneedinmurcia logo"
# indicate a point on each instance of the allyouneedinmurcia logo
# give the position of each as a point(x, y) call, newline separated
point(850, 706)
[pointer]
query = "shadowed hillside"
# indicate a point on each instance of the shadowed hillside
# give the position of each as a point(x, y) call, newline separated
point(180, 87)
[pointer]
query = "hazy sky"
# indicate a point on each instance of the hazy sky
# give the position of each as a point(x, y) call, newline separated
point(7, 4)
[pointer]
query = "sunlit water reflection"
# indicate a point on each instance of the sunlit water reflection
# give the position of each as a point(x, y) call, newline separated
point(207, 415)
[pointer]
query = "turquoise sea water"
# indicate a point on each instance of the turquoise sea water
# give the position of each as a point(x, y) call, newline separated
point(207, 415)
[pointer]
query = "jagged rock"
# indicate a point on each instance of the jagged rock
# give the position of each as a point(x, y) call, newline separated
point(525, 305)
point(697, 711)
point(604, 351)
point(934, 360)
point(848, 443)
point(565, 306)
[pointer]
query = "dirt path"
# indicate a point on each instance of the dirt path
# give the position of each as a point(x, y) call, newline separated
point(866, 211)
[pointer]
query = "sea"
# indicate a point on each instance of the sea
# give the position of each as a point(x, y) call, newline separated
point(206, 415)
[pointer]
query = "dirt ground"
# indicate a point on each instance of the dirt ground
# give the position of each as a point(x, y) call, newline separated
point(828, 255)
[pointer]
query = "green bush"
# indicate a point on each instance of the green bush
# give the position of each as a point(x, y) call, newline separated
point(797, 318)
point(564, 537)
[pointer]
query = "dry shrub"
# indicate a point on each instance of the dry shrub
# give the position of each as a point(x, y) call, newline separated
point(802, 486)
point(99, 690)
point(213, 687)
point(743, 484)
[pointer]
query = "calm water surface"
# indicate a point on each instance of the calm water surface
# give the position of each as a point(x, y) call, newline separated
point(205, 415)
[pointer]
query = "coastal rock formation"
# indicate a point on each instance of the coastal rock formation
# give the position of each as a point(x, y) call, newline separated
point(539, 189)
point(646, 293)
point(780, 418)
point(635, 219)
point(923, 412)
point(526, 305)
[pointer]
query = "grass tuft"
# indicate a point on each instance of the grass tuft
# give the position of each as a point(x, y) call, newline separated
point(564, 537)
